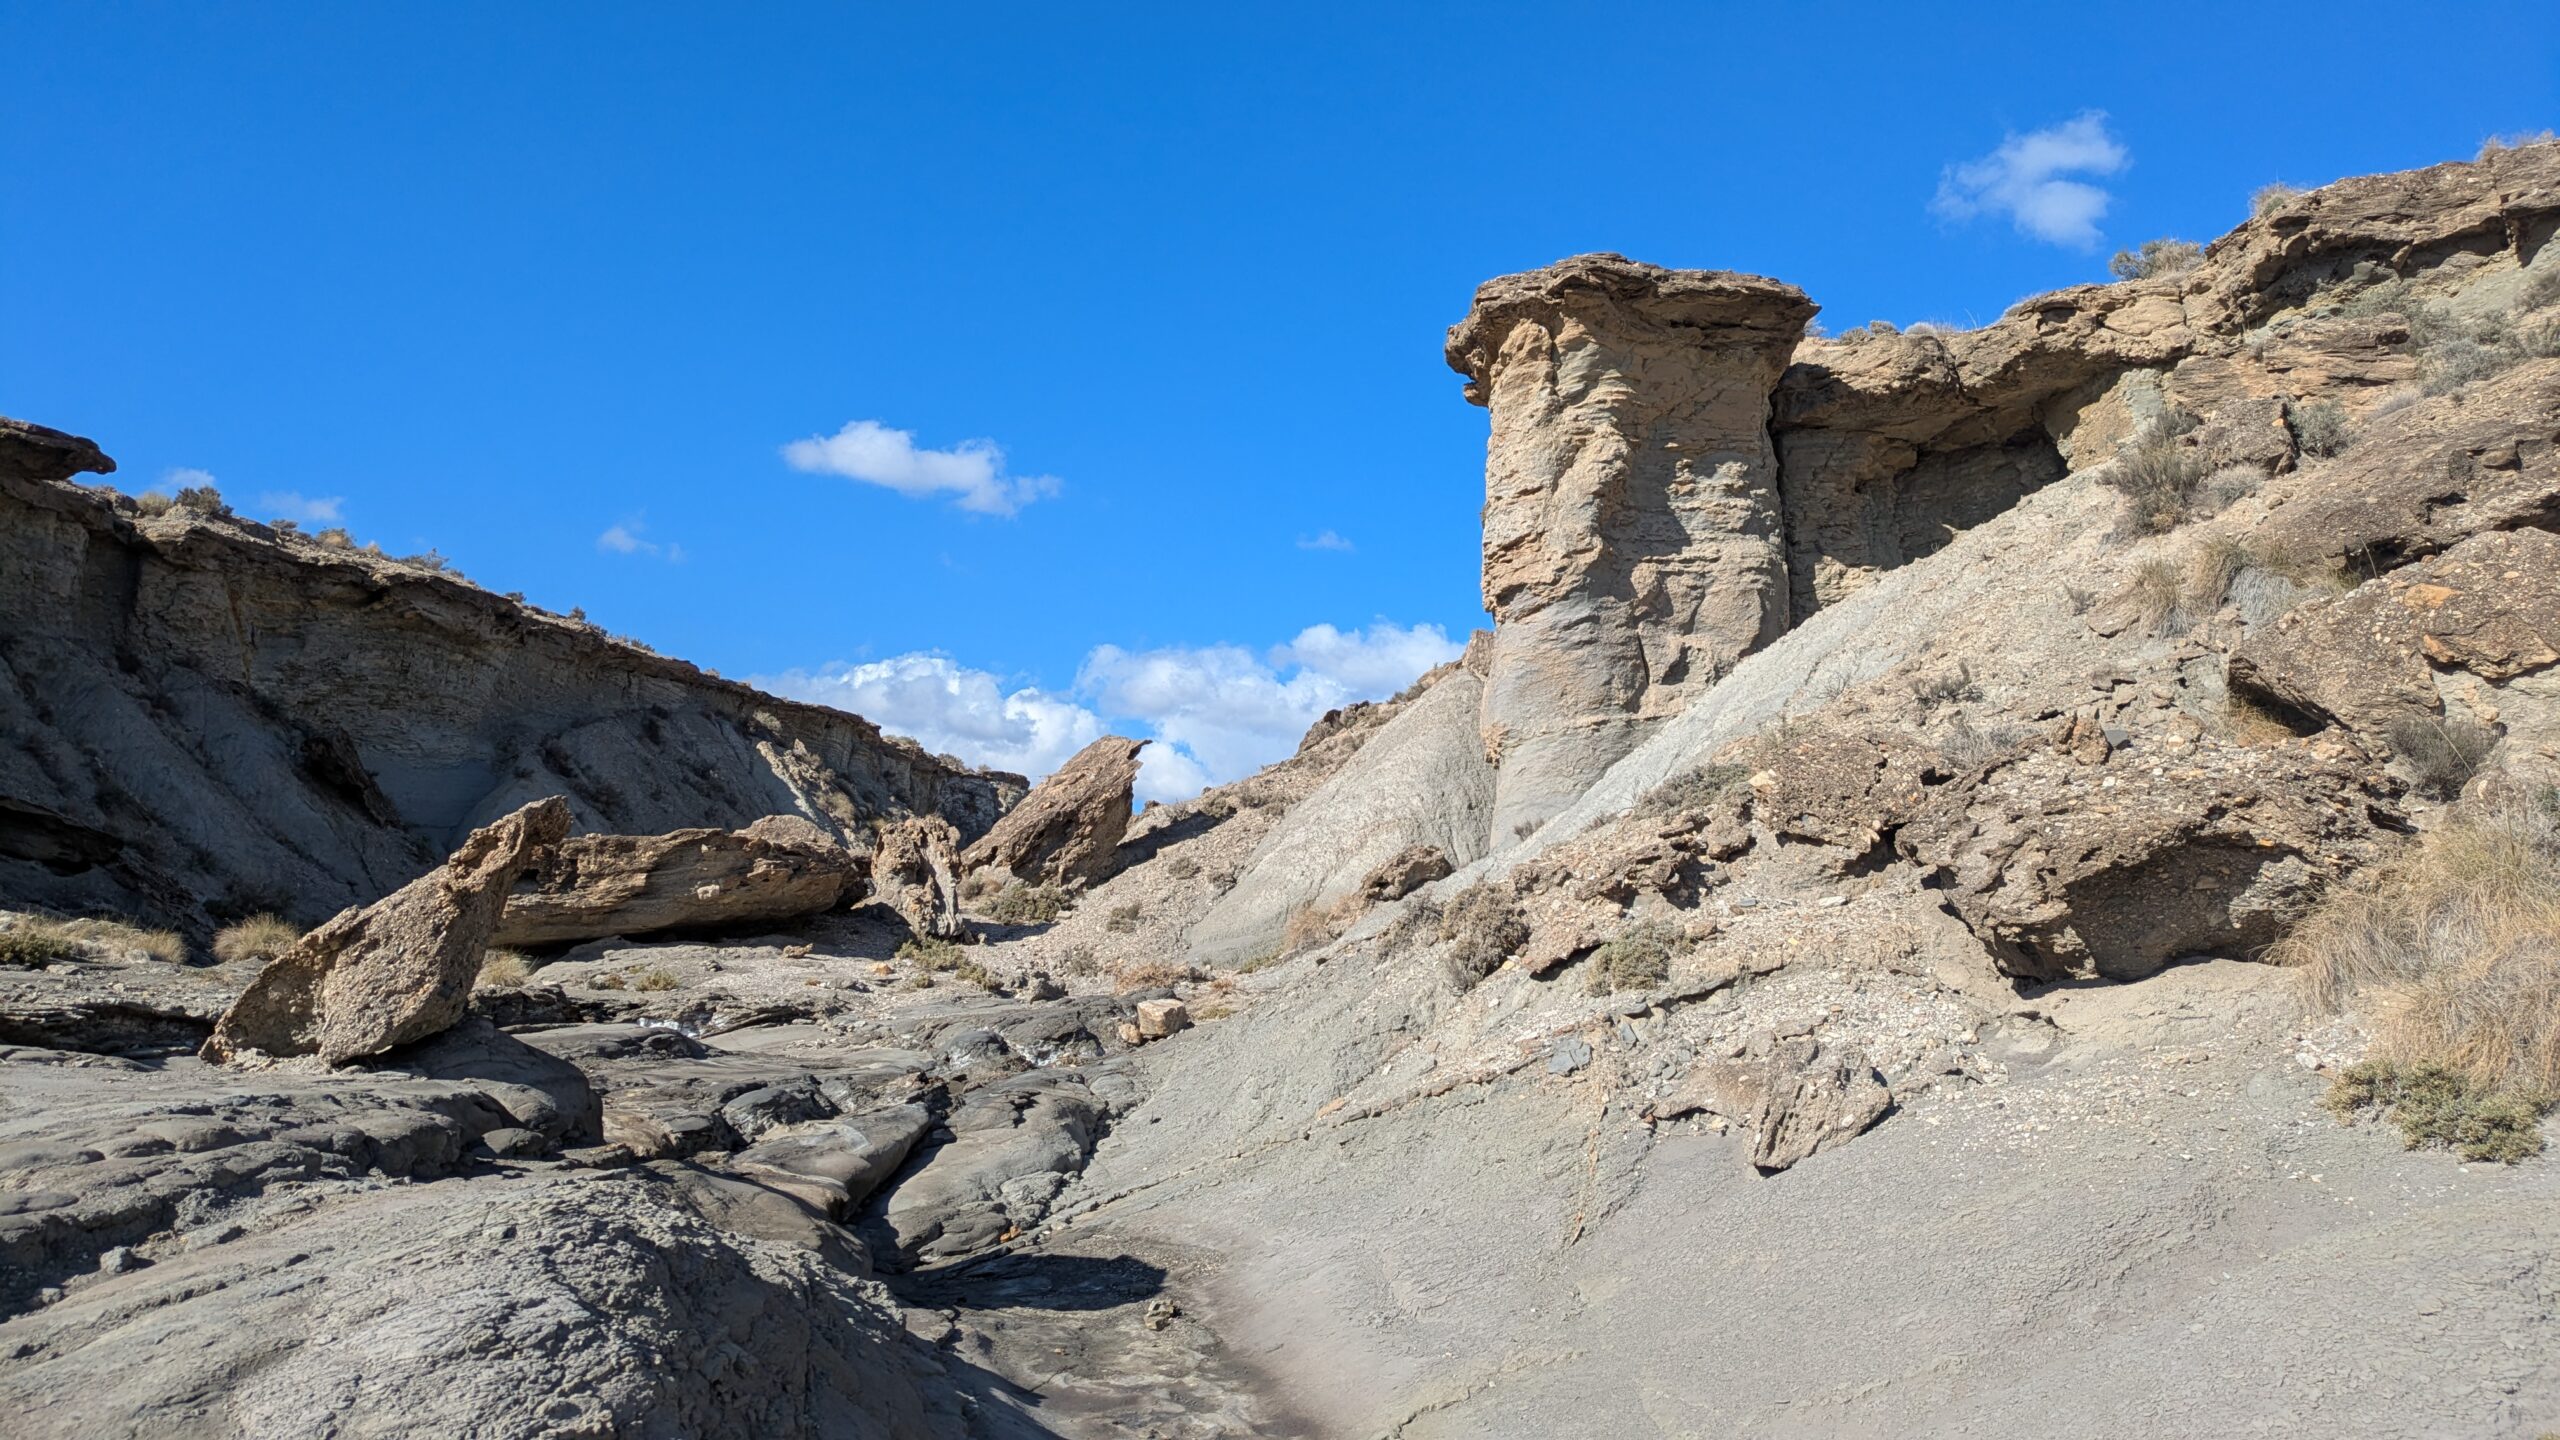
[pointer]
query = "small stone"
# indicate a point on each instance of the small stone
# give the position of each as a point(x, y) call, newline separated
point(1568, 1056)
point(1160, 1018)
point(1160, 1313)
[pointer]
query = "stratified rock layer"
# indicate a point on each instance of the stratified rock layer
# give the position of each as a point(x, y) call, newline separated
point(780, 868)
point(1633, 548)
point(397, 970)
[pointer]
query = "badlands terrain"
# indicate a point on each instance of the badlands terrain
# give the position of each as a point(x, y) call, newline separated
point(1995, 883)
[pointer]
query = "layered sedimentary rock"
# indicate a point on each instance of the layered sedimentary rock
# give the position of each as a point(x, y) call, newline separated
point(1633, 545)
point(780, 868)
point(1066, 831)
point(210, 717)
point(397, 970)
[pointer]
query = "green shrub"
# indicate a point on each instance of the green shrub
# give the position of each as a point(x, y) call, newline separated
point(2320, 429)
point(36, 944)
point(203, 499)
point(1481, 928)
point(2434, 1105)
point(2159, 474)
point(927, 953)
point(1638, 959)
point(1020, 904)
point(2155, 258)
point(1124, 918)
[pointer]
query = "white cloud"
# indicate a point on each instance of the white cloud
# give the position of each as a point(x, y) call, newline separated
point(1215, 712)
point(2025, 180)
point(185, 477)
point(626, 539)
point(295, 506)
point(1324, 540)
point(972, 471)
point(951, 710)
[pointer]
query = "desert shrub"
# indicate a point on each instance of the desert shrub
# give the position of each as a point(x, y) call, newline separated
point(2153, 258)
point(2542, 289)
point(34, 944)
point(202, 499)
point(1481, 928)
point(1691, 790)
point(1077, 961)
point(2442, 753)
point(2539, 342)
point(1969, 747)
point(2158, 593)
point(2434, 1105)
point(428, 560)
point(336, 538)
point(507, 970)
point(974, 973)
point(1151, 975)
point(928, 953)
point(1263, 961)
point(2268, 199)
point(153, 503)
point(1124, 918)
point(2320, 429)
point(1638, 959)
point(2451, 363)
point(1020, 904)
point(2159, 475)
point(656, 977)
point(256, 940)
point(1946, 687)
point(2516, 141)
point(2452, 952)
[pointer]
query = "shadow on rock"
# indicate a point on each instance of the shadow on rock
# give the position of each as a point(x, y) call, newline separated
point(1034, 1282)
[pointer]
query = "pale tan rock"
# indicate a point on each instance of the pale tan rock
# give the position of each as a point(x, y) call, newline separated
point(1065, 832)
point(1633, 546)
point(1159, 1018)
point(1795, 1097)
point(1404, 872)
point(916, 872)
point(399, 969)
point(779, 868)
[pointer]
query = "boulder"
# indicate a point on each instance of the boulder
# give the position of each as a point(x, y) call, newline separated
point(1160, 1018)
point(834, 1165)
point(397, 970)
point(916, 872)
point(780, 868)
point(1067, 830)
point(2489, 606)
point(2070, 871)
point(1795, 1097)
point(1014, 1146)
point(1404, 872)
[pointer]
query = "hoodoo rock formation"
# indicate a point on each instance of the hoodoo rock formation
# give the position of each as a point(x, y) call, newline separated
point(1633, 549)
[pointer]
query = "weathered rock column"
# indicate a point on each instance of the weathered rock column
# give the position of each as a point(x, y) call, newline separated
point(1633, 545)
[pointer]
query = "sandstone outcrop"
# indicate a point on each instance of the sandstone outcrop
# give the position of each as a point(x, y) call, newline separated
point(780, 868)
point(916, 872)
point(1792, 1097)
point(212, 717)
point(399, 969)
point(1633, 546)
point(1067, 831)
point(2071, 871)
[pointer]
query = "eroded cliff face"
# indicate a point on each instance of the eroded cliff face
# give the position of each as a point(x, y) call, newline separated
point(209, 718)
point(1676, 477)
point(1633, 546)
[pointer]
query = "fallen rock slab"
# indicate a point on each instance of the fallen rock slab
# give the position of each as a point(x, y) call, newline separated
point(1067, 830)
point(397, 970)
point(916, 872)
point(593, 886)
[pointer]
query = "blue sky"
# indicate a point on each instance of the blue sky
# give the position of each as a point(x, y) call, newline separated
point(1114, 334)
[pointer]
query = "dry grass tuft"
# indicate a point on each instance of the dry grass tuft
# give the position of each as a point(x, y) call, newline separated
point(657, 977)
point(2159, 475)
point(2442, 753)
point(1152, 975)
point(34, 944)
point(115, 935)
point(1311, 925)
point(1124, 918)
point(255, 941)
point(2452, 953)
point(504, 970)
